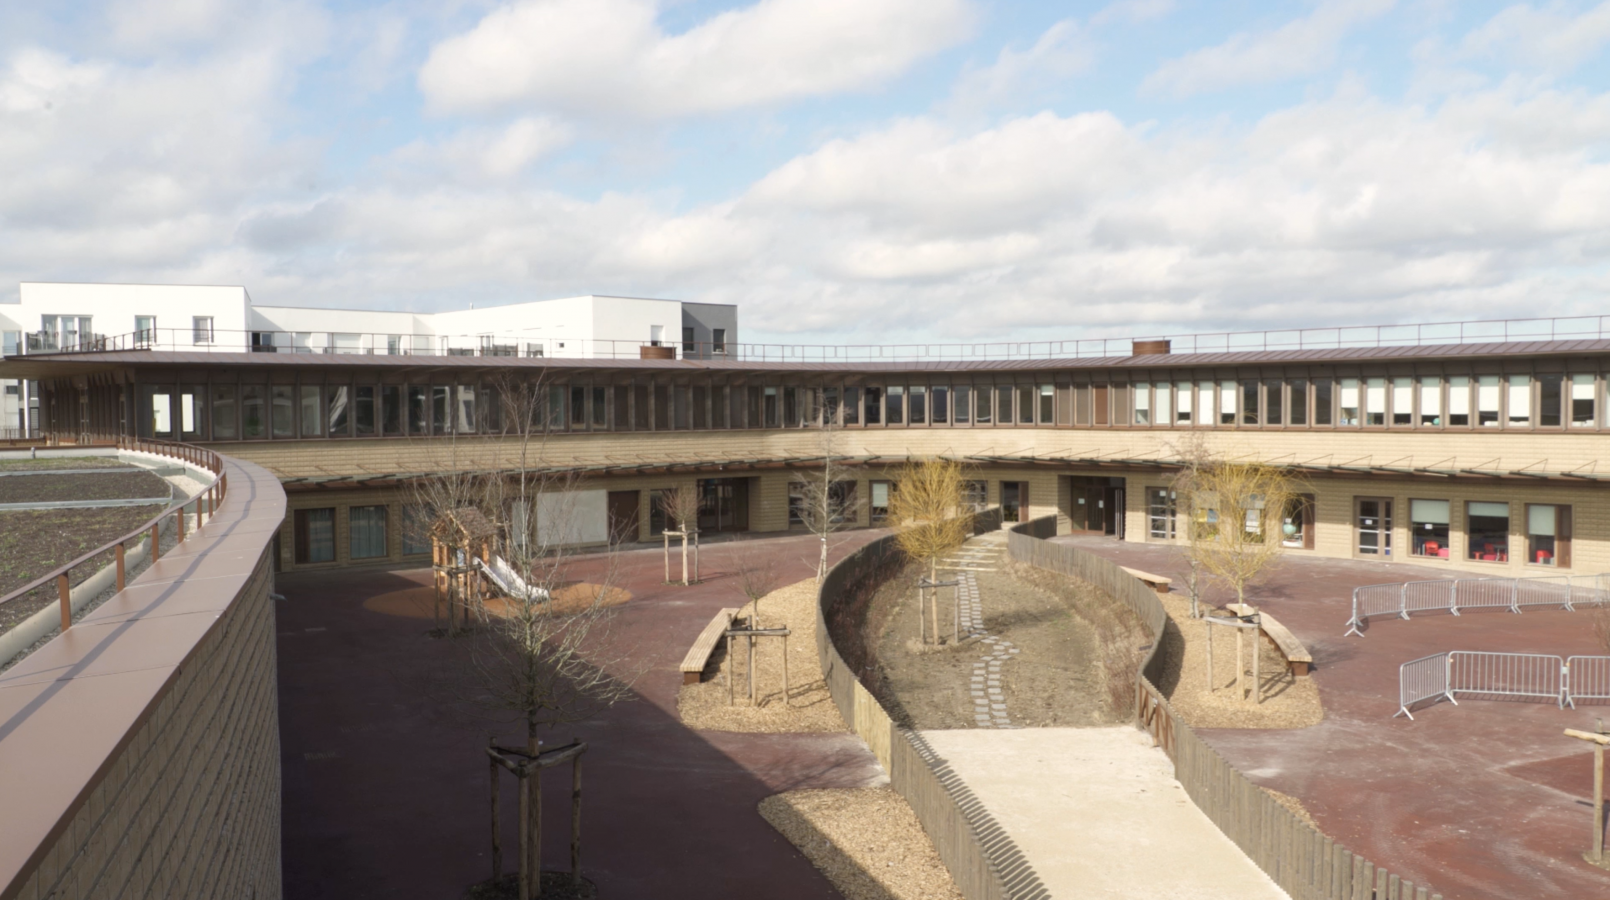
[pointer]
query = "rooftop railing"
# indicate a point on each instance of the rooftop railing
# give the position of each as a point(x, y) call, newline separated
point(381, 344)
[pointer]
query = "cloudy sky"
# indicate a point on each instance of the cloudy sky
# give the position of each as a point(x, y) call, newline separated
point(858, 171)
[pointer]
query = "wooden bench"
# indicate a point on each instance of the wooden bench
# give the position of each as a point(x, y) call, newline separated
point(1296, 654)
point(699, 654)
point(1156, 582)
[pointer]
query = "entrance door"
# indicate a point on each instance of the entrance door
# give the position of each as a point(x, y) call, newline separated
point(1113, 505)
point(724, 504)
point(1014, 501)
point(1374, 525)
point(623, 512)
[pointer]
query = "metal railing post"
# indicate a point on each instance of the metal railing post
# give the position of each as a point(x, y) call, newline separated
point(122, 580)
point(156, 540)
point(1515, 595)
point(1403, 601)
point(64, 592)
point(1453, 596)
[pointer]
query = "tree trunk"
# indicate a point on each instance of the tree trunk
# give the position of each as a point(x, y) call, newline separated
point(575, 820)
point(534, 815)
point(497, 840)
point(933, 596)
point(684, 557)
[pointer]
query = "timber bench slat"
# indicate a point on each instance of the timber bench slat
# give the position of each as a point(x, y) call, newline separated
point(1297, 656)
point(699, 654)
point(1156, 582)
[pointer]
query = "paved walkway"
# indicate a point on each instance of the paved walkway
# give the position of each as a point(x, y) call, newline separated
point(1482, 800)
point(1097, 812)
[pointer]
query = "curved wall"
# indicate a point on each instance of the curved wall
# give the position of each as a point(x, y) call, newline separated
point(139, 751)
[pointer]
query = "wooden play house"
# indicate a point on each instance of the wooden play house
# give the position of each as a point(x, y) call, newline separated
point(458, 539)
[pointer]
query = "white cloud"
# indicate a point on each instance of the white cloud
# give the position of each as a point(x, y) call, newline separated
point(1299, 47)
point(1132, 11)
point(482, 154)
point(1064, 50)
point(601, 57)
point(1550, 38)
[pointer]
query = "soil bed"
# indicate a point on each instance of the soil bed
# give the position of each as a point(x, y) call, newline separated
point(809, 707)
point(94, 486)
point(1056, 679)
point(46, 464)
point(867, 841)
point(32, 542)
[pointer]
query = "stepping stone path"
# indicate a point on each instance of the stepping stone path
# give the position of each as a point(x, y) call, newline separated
point(989, 703)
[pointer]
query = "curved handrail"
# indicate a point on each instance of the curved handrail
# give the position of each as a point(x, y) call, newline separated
point(212, 497)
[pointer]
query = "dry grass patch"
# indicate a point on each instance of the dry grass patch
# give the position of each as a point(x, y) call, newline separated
point(867, 841)
point(1288, 701)
point(808, 706)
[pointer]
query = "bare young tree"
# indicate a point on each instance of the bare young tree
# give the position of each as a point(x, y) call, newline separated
point(827, 501)
point(931, 517)
point(757, 573)
point(681, 507)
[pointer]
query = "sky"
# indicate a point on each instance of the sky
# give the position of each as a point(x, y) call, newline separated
point(847, 171)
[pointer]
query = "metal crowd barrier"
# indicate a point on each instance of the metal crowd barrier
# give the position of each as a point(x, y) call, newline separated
point(1454, 595)
point(1534, 676)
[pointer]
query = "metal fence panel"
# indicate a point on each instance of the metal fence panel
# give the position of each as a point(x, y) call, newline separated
point(1549, 590)
point(1422, 679)
point(1527, 675)
point(1587, 678)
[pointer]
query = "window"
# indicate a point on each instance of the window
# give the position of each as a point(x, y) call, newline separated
point(1487, 526)
point(601, 407)
point(1459, 400)
point(1297, 525)
point(852, 406)
point(1583, 414)
point(1025, 405)
point(366, 532)
point(1204, 396)
point(1227, 394)
point(1487, 400)
point(1375, 401)
point(895, 400)
point(961, 411)
point(1272, 412)
point(339, 414)
point(1048, 405)
point(918, 405)
point(1161, 507)
point(880, 501)
point(1428, 527)
point(718, 340)
point(1548, 400)
point(1163, 412)
point(394, 345)
point(976, 494)
point(1182, 403)
point(466, 409)
point(841, 495)
point(1003, 404)
point(284, 410)
point(12, 343)
point(1430, 401)
point(554, 405)
point(1249, 403)
point(940, 399)
point(201, 329)
point(689, 345)
point(1143, 404)
point(1520, 400)
point(578, 406)
point(418, 410)
point(771, 407)
point(441, 409)
point(223, 412)
point(315, 535)
point(416, 529)
point(874, 405)
point(145, 329)
point(1548, 535)
point(312, 418)
point(1349, 398)
point(363, 410)
point(1403, 401)
point(158, 411)
point(982, 400)
point(1323, 401)
point(1297, 408)
point(252, 422)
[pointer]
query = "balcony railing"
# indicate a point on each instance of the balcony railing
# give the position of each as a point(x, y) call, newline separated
point(381, 344)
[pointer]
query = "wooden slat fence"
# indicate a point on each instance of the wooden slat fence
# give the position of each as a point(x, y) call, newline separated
point(1299, 858)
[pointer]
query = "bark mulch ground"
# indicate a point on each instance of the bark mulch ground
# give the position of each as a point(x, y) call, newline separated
point(61, 462)
point(1058, 677)
point(34, 541)
point(94, 486)
point(809, 707)
point(867, 841)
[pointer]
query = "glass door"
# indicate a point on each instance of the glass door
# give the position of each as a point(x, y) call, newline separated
point(1374, 526)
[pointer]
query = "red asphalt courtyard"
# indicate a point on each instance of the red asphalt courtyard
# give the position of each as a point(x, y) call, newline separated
point(385, 788)
point(1487, 799)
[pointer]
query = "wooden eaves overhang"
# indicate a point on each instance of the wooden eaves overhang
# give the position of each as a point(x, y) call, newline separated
point(303, 483)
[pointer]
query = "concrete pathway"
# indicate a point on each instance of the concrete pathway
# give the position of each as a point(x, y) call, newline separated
point(1097, 813)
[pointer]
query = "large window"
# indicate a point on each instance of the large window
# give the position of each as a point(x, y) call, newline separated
point(874, 406)
point(441, 409)
point(1487, 400)
point(391, 409)
point(1487, 525)
point(284, 411)
point(962, 405)
point(895, 404)
point(1003, 404)
point(339, 416)
point(1205, 392)
point(1249, 403)
point(1182, 403)
point(1548, 534)
point(363, 410)
point(879, 506)
point(1227, 403)
point(983, 400)
point(201, 329)
point(223, 412)
point(253, 421)
point(1349, 402)
point(1548, 400)
point(1297, 523)
point(1025, 405)
point(1297, 409)
point(1520, 400)
point(1428, 524)
point(977, 495)
point(312, 418)
point(1583, 394)
point(1323, 401)
point(1143, 404)
point(1459, 400)
point(1048, 405)
point(418, 411)
point(466, 409)
point(1375, 401)
point(416, 529)
point(852, 405)
point(315, 535)
point(1273, 408)
point(918, 405)
point(1161, 507)
point(1374, 526)
point(366, 532)
point(941, 405)
point(1403, 401)
point(1163, 411)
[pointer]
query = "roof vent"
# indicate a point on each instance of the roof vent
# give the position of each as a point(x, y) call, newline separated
point(1151, 348)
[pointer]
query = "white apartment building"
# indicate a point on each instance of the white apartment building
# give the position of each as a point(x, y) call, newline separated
point(52, 317)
